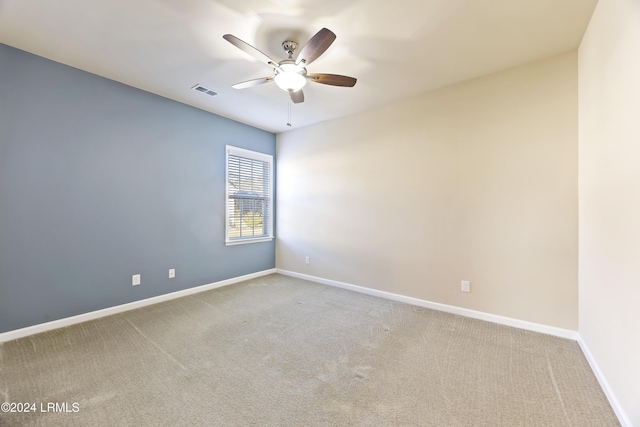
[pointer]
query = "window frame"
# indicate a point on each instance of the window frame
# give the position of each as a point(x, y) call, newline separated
point(231, 150)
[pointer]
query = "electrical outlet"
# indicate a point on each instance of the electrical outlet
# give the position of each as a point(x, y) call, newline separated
point(135, 280)
point(306, 260)
point(465, 286)
point(172, 273)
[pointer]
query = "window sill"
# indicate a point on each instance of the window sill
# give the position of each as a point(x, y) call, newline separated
point(244, 241)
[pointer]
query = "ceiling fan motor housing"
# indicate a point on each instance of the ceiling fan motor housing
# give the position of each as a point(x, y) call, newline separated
point(289, 46)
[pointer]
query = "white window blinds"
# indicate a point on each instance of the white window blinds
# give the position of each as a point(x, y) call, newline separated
point(249, 214)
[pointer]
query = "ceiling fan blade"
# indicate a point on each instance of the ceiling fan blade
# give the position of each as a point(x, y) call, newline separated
point(333, 79)
point(252, 83)
point(297, 97)
point(247, 48)
point(315, 47)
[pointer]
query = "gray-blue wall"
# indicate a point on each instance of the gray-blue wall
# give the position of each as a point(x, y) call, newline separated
point(99, 181)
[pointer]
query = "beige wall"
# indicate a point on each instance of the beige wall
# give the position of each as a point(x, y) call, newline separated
point(609, 179)
point(477, 181)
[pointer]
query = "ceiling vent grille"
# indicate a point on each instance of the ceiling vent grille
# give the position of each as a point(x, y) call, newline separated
point(204, 90)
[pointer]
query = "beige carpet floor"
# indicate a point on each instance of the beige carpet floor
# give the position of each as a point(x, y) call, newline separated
point(279, 351)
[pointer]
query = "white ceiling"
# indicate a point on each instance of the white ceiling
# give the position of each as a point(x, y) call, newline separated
point(396, 48)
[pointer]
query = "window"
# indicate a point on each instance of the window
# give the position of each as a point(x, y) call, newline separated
point(249, 216)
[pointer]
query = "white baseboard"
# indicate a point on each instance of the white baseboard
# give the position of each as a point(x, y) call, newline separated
point(516, 323)
point(522, 324)
point(68, 321)
point(604, 384)
point(530, 326)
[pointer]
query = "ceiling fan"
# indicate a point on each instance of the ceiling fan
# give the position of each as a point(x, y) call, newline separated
point(291, 74)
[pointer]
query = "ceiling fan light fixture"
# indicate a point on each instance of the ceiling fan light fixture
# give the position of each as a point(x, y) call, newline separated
point(289, 78)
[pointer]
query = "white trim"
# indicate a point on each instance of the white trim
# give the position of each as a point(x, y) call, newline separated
point(563, 333)
point(249, 154)
point(68, 321)
point(604, 384)
point(516, 323)
point(522, 324)
point(248, 240)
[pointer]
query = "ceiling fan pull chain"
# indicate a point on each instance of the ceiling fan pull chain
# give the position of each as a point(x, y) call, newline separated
point(289, 116)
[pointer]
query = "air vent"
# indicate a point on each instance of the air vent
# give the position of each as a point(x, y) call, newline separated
point(203, 89)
